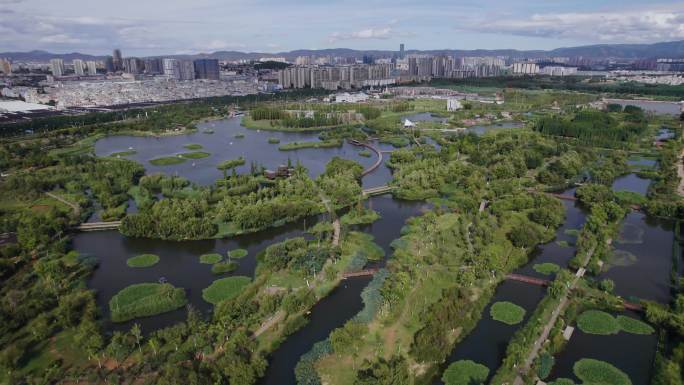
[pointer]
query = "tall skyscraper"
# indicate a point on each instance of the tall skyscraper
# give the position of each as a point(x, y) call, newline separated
point(172, 69)
point(207, 69)
point(117, 60)
point(133, 65)
point(401, 51)
point(187, 70)
point(57, 67)
point(92, 68)
point(78, 67)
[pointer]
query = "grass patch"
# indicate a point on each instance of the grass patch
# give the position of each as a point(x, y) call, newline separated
point(465, 372)
point(546, 268)
point(211, 258)
point(239, 136)
point(563, 243)
point(356, 217)
point(167, 161)
point(507, 312)
point(592, 371)
point(231, 163)
point(224, 267)
point(598, 322)
point(634, 326)
point(123, 153)
point(273, 140)
point(195, 155)
point(208, 131)
point(237, 253)
point(365, 153)
point(224, 288)
point(145, 299)
point(193, 146)
point(572, 232)
point(143, 260)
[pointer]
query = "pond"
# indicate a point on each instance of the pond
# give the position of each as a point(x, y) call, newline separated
point(631, 353)
point(481, 130)
point(633, 183)
point(657, 107)
point(223, 145)
point(642, 258)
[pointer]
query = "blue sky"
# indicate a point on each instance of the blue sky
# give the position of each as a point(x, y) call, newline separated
point(155, 27)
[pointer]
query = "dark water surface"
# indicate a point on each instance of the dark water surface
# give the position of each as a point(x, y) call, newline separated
point(633, 183)
point(631, 353)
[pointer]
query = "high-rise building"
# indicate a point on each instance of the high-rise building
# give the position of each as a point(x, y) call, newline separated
point(57, 67)
point(117, 60)
point(187, 70)
point(79, 67)
point(401, 51)
point(153, 66)
point(172, 69)
point(109, 64)
point(5, 66)
point(92, 68)
point(207, 69)
point(133, 65)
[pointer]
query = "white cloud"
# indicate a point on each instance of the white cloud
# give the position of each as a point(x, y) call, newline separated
point(61, 38)
point(626, 25)
point(364, 34)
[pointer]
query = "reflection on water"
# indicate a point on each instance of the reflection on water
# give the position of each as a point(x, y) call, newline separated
point(658, 107)
point(633, 183)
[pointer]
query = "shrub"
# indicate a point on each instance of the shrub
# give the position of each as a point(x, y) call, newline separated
point(507, 312)
point(225, 288)
point(224, 267)
point(546, 362)
point(145, 299)
point(210, 259)
point(592, 371)
point(598, 322)
point(465, 372)
point(143, 260)
point(634, 326)
point(237, 253)
point(546, 268)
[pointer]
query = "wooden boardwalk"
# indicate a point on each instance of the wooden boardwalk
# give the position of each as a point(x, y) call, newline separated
point(527, 279)
point(377, 152)
point(362, 273)
point(377, 190)
point(98, 226)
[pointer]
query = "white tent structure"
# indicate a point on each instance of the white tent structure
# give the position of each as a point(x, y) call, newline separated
point(408, 124)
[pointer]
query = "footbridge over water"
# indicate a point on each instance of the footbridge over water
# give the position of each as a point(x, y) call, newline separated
point(98, 226)
point(377, 152)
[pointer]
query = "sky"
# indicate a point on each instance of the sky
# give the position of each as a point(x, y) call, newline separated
point(158, 27)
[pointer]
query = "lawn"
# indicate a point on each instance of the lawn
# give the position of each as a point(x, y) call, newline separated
point(193, 146)
point(507, 312)
point(145, 299)
point(225, 288)
point(634, 326)
point(143, 260)
point(210, 259)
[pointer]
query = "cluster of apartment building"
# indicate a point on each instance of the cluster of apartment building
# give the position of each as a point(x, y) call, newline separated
point(334, 77)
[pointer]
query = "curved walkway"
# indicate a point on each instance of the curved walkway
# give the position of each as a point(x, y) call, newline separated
point(377, 152)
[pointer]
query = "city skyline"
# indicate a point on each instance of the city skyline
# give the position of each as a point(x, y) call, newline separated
point(268, 26)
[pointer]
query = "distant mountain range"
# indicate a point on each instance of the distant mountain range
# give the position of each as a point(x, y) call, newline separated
point(674, 49)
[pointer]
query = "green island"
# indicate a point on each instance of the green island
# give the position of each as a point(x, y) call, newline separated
point(465, 372)
point(237, 253)
point(195, 155)
point(210, 258)
point(507, 312)
point(224, 267)
point(273, 140)
point(546, 268)
point(167, 160)
point(142, 260)
point(121, 154)
point(144, 300)
point(193, 146)
point(301, 145)
point(224, 289)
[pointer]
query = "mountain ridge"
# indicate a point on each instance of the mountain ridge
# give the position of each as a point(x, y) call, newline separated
point(671, 49)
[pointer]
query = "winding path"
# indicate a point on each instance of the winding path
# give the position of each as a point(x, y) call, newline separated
point(377, 152)
point(74, 206)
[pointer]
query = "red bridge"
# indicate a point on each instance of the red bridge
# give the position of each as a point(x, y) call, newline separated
point(361, 273)
point(527, 279)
